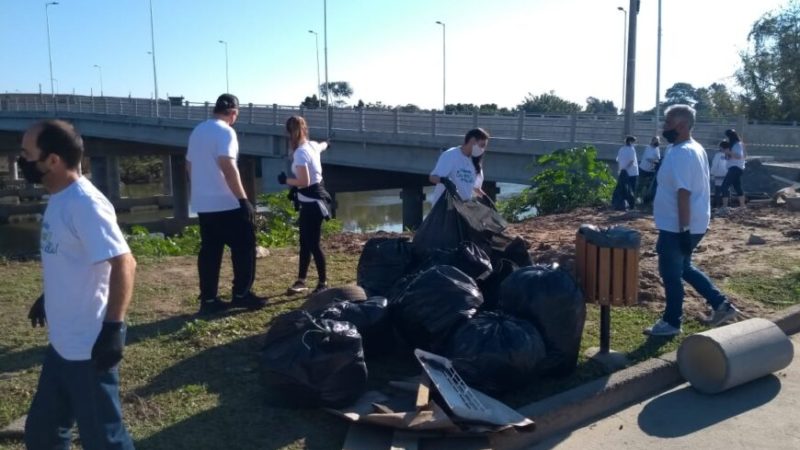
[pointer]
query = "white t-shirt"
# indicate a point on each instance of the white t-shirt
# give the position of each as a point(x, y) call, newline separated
point(79, 234)
point(684, 167)
point(459, 168)
point(649, 158)
point(738, 150)
point(719, 165)
point(625, 156)
point(479, 180)
point(208, 142)
point(308, 154)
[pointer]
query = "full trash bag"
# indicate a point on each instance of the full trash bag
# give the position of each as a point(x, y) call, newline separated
point(468, 257)
point(495, 352)
point(433, 304)
point(553, 301)
point(383, 261)
point(490, 287)
point(611, 237)
point(309, 362)
point(371, 318)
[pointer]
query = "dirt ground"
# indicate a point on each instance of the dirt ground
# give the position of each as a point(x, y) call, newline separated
point(723, 253)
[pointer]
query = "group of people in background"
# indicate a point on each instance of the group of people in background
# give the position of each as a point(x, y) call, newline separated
point(637, 181)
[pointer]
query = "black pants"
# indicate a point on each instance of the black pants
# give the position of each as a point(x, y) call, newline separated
point(218, 229)
point(733, 178)
point(310, 235)
point(627, 186)
point(644, 186)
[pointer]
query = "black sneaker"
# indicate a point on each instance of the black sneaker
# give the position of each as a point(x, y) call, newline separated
point(249, 301)
point(298, 287)
point(320, 287)
point(213, 306)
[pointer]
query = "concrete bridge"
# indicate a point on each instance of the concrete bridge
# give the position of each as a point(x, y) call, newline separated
point(372, 149)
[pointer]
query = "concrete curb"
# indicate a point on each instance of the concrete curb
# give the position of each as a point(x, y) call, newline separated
point(612, 393)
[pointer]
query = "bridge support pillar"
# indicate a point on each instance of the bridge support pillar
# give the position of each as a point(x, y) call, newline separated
point(413, 198)
point(105, 175)
point(166, 175)
point(247, 172)
point(270, 168)
point(179, 187)
point(13, 169)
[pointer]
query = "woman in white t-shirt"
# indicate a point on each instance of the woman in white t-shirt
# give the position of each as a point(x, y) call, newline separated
point(628, 171)
point(736, 162)
point(718, 171)
point(647, 170)
point(313, 200)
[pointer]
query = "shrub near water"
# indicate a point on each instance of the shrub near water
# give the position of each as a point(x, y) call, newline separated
point(570, 179)
point(276, 226)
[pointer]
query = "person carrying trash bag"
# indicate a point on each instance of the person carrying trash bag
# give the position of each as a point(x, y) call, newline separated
point(456, 166)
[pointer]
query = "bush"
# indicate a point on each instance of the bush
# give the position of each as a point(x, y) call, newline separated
point(143, 243)
point(276, 225)
point(570, 178)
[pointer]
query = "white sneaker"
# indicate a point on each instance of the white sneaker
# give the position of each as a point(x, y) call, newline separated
point(723, 314)
point(662, 328)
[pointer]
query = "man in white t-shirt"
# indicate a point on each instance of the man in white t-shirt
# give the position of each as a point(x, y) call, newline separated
point(627, 163)
point(225, 214)
point(647, 170)
point(682, 212)
point(88, 273)
point(455, 166)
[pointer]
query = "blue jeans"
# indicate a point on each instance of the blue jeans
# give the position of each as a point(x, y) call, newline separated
point(675, 267)
point(75, 391)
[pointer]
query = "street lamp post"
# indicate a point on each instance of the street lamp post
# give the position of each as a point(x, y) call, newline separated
point(658, 69)
point(100, 70)
point(325, 43)
point(319, 85)
point(153, 53)
point(444, 65)
point(227, 85)
point(49, 50)
point(630, 69)
point(624, 51)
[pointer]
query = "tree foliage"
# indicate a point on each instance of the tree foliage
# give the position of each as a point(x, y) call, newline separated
point(339, 90)
point(313, 102)
point(548, 102)
point(769, 74)
point(597, 106)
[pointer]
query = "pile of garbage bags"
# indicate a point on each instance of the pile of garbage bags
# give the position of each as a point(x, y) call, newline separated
point(462, 288)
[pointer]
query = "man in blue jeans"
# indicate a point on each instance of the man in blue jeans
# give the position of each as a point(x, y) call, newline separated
point(682, 212)
point(88, 273)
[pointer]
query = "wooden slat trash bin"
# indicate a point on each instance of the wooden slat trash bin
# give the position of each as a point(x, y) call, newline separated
point(607, 268)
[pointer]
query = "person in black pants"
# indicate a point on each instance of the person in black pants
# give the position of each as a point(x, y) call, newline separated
point(312, 199)
point(736, 164)
point(224, 212)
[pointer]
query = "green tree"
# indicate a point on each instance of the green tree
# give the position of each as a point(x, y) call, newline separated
point(680, 94)
point(769, 74)
point(548, 102)
point(724, 103)
point(569, 179)
point(597, 106)
point(460, 108)
point(339, 90)
point(313, 102)
point(409, 108)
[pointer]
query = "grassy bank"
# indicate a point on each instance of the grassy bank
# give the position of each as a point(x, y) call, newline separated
point(189, 383)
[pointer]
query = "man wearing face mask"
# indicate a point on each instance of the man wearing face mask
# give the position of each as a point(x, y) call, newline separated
point(682, 212)
point(455, 166)
point(88, 273)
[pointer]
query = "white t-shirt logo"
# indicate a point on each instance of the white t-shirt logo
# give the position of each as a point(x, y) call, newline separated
point(47, 244)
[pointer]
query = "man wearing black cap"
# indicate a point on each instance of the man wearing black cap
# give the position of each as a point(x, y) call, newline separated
point(225, 214)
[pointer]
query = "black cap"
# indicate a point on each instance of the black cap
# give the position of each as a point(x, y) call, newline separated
point(226, 102)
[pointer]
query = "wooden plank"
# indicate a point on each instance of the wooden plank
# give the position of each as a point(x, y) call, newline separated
point(618, 278)
point(604, 277)
point(591, 273)
point(580, 258)
point(632, 277)
point(423, 393)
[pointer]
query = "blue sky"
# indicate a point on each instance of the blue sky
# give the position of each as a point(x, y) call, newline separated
point(389, 50)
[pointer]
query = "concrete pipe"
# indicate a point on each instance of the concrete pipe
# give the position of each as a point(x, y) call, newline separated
point(719, 359)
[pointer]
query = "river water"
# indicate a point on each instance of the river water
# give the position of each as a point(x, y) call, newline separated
point(358, 211)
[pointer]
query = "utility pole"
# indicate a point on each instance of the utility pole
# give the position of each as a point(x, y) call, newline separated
point(631, 76)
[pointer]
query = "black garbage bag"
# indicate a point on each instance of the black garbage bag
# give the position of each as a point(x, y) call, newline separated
point(433, 304)
point(553, 301)
point(383, 261)
point(371, 318)
point(309, 362)
point(495, 352)
point(490, 287)
point(468, 257)
point(611, 237)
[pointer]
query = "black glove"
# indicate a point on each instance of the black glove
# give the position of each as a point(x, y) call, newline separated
point(685, 242)
point(36, 313)
point(107, 350)
point(448, 184)
point(282, 178)
point(247, 209)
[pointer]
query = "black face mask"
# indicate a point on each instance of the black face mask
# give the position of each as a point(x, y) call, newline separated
point(670, 135)
point(31, 173)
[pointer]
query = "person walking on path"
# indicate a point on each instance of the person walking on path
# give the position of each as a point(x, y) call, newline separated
point(456, 166)
point(627, 163)
point(88, 273)
point(736, 164)
point(682, 212)
point(312, 199)
point(225, 214)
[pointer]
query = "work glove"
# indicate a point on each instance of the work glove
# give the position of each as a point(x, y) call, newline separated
point(282, 178)
point(107, 349)
point(36, 313)
point(247, 209)
point(685, 242)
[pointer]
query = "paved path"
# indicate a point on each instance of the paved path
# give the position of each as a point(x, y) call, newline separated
point(763, 414)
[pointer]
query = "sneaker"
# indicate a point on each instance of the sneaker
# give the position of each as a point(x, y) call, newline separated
point(298, 287)
point(662, 328)
point(320, 287)
point(213, 306)
point(723, 314)
point(249, 301)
